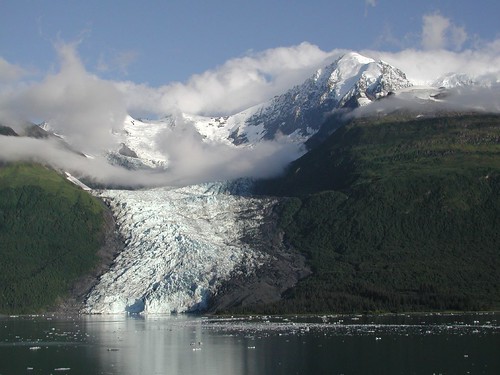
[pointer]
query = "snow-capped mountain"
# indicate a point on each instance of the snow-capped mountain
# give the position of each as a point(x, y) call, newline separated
point(352, 80)
point(183, 244)
point(138, 144)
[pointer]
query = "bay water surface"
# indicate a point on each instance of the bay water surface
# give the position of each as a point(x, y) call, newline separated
point(183, 344)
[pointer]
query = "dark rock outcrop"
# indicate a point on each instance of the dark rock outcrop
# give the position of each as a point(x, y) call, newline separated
point(244, 290)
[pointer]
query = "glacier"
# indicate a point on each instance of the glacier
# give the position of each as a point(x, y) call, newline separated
point(180, 245)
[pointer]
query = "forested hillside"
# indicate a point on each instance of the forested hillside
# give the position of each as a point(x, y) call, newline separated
point(50, 231)
point(396, 214)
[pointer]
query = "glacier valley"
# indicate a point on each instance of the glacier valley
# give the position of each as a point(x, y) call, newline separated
point(211, 247)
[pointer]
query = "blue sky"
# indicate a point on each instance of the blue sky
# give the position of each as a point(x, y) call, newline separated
point(157, 42)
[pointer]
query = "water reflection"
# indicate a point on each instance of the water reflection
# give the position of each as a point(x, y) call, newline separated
point(165, 345)
point(404, 344)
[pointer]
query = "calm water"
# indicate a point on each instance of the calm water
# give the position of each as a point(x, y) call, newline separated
point(416, 344)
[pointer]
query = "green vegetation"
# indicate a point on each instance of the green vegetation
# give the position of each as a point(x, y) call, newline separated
point(396, 214)
point(49, 236)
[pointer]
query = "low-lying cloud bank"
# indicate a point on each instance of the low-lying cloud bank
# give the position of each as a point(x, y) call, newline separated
point(191, 161)
point(51, 152)
point(89, 111)
point(458, 99)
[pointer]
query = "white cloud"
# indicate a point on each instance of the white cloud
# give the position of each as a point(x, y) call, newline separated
point(424, 67)
point(369, 3)
point(433, 31)
point(77, 104)
point(119, 61)
point(236, 85)
point(443, 53)
point(55, 154)
point(439, 32)
point(458, 37)
point(193, 160)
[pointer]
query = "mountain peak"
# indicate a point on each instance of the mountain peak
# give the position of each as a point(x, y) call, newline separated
point(350, 81)
point(353, 55)
point(346, 64)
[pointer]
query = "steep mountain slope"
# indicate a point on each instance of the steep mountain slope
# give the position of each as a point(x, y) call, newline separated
point(397, 213)
point(50, 232)
point(6, 130)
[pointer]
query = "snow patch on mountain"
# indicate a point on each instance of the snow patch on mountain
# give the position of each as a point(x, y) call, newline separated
point(180, 245)
point(140, 136)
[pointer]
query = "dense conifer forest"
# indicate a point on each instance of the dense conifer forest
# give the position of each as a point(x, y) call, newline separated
point(50, 231)
point(396, 214)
